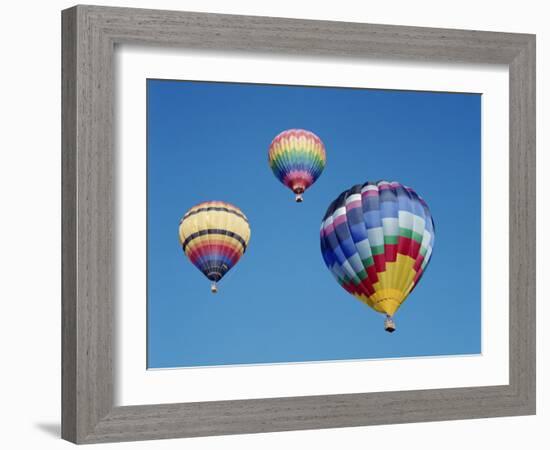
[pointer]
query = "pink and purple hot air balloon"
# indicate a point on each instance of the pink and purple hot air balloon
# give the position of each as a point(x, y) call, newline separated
point(297, 158)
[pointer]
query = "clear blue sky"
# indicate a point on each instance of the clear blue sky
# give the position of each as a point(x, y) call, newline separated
point(209, 141)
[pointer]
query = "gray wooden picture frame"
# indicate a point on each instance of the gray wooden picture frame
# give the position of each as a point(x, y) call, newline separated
point(90, 34)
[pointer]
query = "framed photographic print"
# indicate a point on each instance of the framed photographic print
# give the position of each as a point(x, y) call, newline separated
point(279, 224)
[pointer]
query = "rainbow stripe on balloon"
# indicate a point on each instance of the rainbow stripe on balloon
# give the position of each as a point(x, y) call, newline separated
point(297, 158)
point(377, 239)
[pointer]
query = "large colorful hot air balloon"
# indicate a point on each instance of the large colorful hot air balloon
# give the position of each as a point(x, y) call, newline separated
point(377, 239)
point(297, 158)
point(214, 235)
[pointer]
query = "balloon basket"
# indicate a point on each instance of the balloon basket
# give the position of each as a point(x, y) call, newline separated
point(299, 198)
point(214, 288)
point(389, 324)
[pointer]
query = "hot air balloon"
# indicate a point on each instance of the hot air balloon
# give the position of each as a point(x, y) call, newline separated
point(214, 235)
point(377, 240)
point(297, 158)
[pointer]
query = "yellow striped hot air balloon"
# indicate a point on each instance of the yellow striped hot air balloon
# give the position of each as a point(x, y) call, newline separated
point(214, 235)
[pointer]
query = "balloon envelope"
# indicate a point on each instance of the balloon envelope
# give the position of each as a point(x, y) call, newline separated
point(214, 235)
point(297, 158)
point(377, 239)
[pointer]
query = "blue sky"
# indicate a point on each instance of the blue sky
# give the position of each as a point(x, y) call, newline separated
point(209, 141)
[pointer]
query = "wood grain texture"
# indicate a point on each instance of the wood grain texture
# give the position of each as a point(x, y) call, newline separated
point(68, 226)
point(89, 37)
